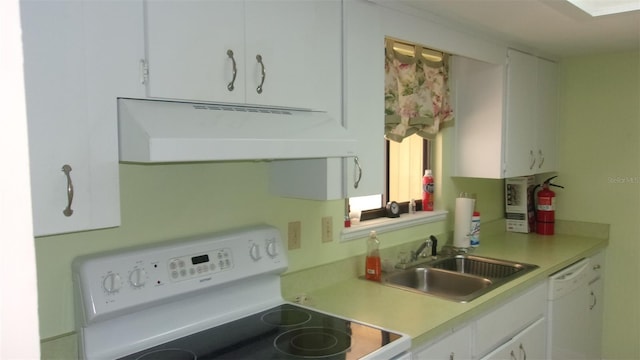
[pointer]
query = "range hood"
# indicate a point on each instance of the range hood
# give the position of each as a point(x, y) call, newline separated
point(153, 131)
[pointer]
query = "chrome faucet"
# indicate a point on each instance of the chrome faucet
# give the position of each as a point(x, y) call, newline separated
point(431, 242)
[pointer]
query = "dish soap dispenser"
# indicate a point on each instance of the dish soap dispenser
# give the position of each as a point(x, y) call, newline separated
point(373, 267)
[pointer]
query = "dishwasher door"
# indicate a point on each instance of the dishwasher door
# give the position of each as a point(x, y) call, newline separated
point(571, 314)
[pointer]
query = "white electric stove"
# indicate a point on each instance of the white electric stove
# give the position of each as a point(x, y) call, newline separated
point(210, 297)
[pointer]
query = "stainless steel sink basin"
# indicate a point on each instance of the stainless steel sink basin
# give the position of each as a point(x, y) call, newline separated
point(455, 286)
point(481, 266)
point(460, 278)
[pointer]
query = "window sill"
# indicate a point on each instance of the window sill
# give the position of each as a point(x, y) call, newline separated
point(382, 225)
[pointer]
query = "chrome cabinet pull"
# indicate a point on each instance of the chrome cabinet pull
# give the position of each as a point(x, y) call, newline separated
point(595, 301)
point(357, 174)
point(541, 157)
point(533, 159)
point(513, 355)
point(264, 74)
point(524, 353)
point(67, 171)
point(231, 86)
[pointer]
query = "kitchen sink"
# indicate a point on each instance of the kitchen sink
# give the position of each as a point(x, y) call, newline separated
point(457, 286)
point(459, 278)
point(481, 266)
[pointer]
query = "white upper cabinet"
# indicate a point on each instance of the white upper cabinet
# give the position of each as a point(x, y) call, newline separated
point(520, 140)
point(277, 53)
point(506, 116)
point(75, 68)
point(363, 116)
point(364, 97)
point(191, 49)
point(548, 114)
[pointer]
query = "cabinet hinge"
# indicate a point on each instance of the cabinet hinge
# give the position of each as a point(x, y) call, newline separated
point(144, 72)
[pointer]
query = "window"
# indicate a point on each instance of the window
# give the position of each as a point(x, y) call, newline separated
point(405, 165)
point(416, 102)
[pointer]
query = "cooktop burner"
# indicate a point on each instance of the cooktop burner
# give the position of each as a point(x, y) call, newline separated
point(313, 342)
point(286, 331)
point(286, 317)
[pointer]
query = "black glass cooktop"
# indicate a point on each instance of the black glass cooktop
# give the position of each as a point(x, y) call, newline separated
point(283, 332)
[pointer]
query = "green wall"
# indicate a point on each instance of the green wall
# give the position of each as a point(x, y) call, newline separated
point(161, 202)
point(600, 167)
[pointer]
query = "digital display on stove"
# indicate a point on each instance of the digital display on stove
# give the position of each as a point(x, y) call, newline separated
point(199, 259)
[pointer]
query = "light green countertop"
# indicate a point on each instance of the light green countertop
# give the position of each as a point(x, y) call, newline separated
point(425, 317)
point(336, 287)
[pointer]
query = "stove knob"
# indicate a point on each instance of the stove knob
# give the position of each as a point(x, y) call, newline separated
point(112, 283)
point(254, 252)
point(272, 249)
point(138, 278)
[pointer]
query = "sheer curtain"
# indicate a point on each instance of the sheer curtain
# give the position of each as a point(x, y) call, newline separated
point(416, 92)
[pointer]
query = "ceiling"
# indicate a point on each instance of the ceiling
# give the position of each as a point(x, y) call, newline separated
point(555, 27)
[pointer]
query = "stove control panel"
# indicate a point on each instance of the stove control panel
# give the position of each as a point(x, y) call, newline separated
point(116, 283)
point(190, 266)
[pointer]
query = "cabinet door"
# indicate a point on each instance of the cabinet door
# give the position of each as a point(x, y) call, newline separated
point(508, 319)
point(547, 117)
point(530, 344)
point(364, 97)
point(300, 46)
point(363, 108)
point(75, 67)
point(455, 346)
point(58, 130)
point(187, 44)
point(479, 98)
point(520, 141)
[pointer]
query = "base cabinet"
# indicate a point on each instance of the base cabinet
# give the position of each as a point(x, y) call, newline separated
point(513, 330)
point(452, 346)
point(527, 344)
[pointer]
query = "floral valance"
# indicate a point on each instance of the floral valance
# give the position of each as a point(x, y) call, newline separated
point(416, 94)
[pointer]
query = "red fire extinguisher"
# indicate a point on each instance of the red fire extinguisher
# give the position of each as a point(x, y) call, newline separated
point(546, 208)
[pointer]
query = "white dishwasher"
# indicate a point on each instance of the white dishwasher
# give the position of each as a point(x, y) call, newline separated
point(575, 311)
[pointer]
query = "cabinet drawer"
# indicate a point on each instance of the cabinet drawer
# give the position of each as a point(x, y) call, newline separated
point(453, 345)
point(509, 318)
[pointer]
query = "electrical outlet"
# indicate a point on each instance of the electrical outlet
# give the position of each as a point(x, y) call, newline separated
point(294, 235)
point(327, 229)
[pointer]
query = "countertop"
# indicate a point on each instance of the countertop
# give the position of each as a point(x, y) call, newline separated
point(425, 317)
point(422, 317)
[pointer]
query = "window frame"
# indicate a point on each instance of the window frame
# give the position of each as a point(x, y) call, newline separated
point(404, 205)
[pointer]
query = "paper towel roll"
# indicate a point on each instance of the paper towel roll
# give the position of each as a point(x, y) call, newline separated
point(462, 225)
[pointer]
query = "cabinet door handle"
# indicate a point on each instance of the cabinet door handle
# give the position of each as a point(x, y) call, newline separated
point(67, 171)
point(263, 72)
point(596, 267)
point(357, 174)
point(541, 157)
point(594, 301)
point(524, 353)
point(533, 159)
point(452, 356)
point(234, 71)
